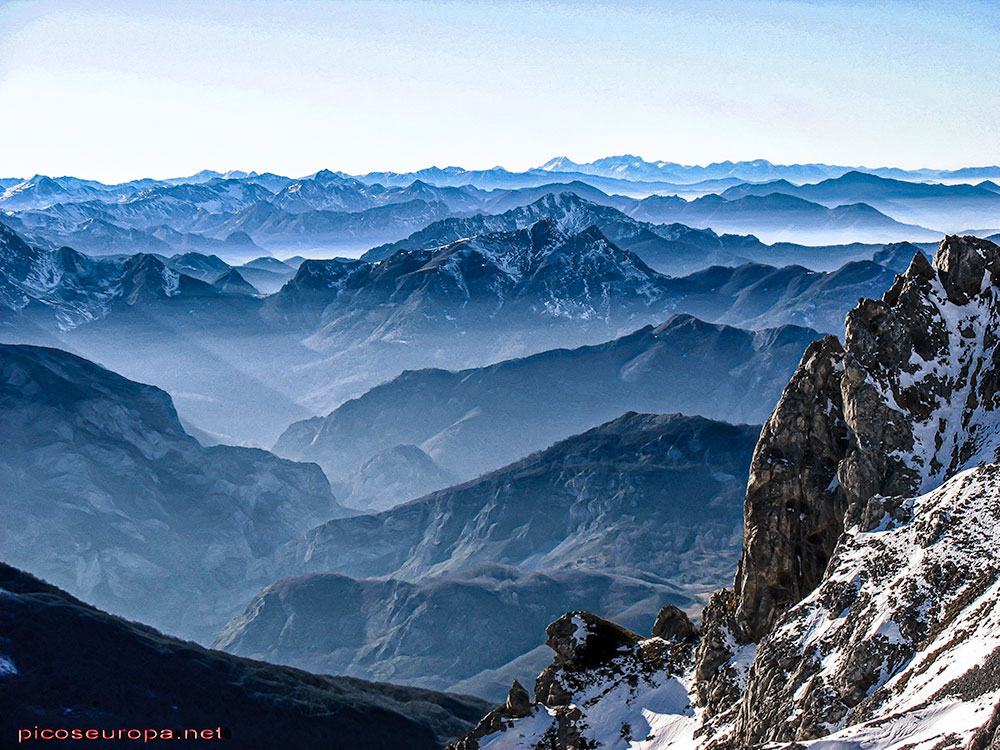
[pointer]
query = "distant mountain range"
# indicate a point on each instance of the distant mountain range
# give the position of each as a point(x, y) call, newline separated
point(781, 217)
point(457, 425)
point(950, 208)
point(109, 496)
point(239, 216)
point(337, 328)
point(758, 170)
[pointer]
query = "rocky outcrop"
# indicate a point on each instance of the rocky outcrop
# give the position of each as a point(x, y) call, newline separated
point(865, 605)
point(906, 403)
point(672, 624)
point(633, 682)
point(794, 509)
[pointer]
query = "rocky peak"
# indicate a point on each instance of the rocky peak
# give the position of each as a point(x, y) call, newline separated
point(866, 600)
point(581, 639)
point(962, 262)
point(906, 403)
point(672, 624)
point(232, 282)
point(793, 513)
point(544, 233)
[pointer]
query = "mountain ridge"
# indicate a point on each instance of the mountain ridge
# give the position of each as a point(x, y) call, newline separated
point(851, 621)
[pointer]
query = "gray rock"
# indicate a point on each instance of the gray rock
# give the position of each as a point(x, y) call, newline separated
point(672, 624)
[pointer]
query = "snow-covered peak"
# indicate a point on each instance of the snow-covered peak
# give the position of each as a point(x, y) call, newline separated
point(867, 603)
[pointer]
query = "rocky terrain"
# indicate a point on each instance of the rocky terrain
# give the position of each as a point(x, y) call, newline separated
point(863, 608)
point(646, 227)
point(67, 665)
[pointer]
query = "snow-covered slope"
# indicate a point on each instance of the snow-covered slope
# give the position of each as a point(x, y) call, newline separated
point(866, 606)
point(72, 289)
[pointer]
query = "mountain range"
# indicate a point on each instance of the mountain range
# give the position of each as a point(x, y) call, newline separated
point(950, 208)
point(108, 496)
point(338, 327)
point(758, 170)
point(639, 511)
point(240, 216)
point(457, 425)
point(530, 407)
point(673, 249)
point(777, 216)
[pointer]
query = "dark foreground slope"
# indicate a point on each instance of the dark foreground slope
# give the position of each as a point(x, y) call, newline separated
point(65, 664)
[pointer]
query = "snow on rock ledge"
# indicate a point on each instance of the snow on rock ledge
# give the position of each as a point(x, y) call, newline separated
point(904, 628)
point(866, 611)
point(607, 688)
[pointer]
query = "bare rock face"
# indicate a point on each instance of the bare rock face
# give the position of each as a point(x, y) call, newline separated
point(867, 600)
point(673, 625)
point(793, 516)
point(794, 507)
point(581, 638)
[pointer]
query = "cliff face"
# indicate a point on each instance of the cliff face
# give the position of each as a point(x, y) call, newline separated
point(864, 601)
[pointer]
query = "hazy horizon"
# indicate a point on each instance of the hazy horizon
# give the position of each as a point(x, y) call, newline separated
point(445, 165)
point(113, 90)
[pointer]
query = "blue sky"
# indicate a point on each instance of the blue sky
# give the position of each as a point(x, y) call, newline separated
point(113, 89)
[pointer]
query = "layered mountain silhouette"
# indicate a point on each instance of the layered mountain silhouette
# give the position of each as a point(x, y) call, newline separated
point(472, 421)
point(672, 248)
point(639, 511)
point(106, 495)
point(337, 328)
point(946, 207)
point(777, 216)
point(240, 216)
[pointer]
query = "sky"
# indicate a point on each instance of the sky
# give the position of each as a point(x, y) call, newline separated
point(118, 89)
